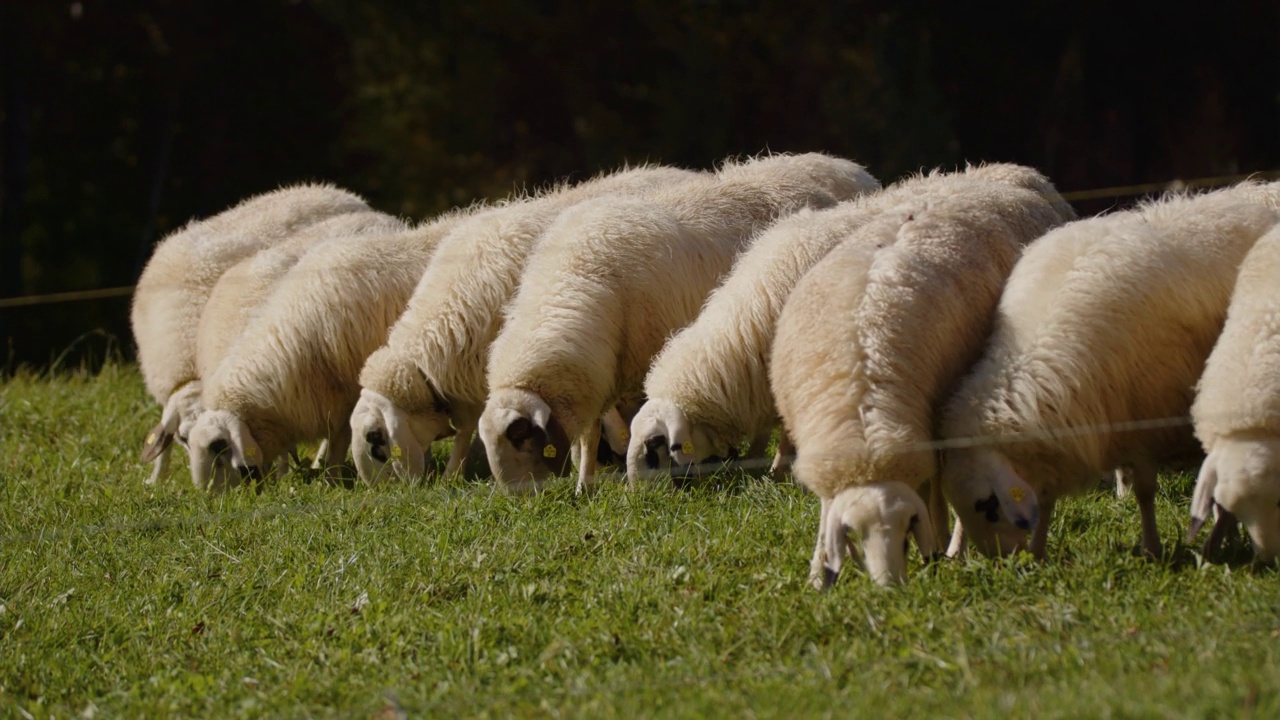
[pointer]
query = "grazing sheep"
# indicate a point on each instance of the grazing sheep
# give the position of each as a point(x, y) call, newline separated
point(176, 283)
point(709, 386)
point(1237, 406)
point(245, 288)
point(875, 335)
point(1101, 334)
point(431, 372)
point(607, 286)
point(292, 375)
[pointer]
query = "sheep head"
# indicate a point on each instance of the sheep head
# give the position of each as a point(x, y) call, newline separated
point(883, 515)
point(386, 439)
point(526, 445)
point(225, 453)
point(1242, 476)
point(997, 508)
point(180, 412)
point(663, 436)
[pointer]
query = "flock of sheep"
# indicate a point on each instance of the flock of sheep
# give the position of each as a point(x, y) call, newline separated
point(953, 339)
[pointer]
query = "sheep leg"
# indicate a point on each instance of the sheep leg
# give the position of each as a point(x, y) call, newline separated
point(1124, 481)
point(939, 512)
point(782, 459)
point(1040, 536)
point(334, 457)
point(322, 451)
point(818, 565)
point(461, 446)
point(160, 466)
point(957, 546)
point(587, 458)
point(1223, 524)
point(1144, 491)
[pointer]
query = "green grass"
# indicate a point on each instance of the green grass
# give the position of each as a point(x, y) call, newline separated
point(449, 600)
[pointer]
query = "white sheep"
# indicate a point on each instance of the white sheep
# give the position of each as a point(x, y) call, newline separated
point(292, 375)
point(431, 372)
point(709, 386)
point(177, 280)
point(876, 334)
point(607, 286)
point(243, 289)
point(1237, 406)
point(1101, 334)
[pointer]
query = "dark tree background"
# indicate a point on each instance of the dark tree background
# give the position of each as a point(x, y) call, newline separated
point(121, 120)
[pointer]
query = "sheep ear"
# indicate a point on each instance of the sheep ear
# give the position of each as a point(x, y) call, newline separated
point(557, 449)
point(404, 447)
point(1017, 498)
point(158, 440)
point(1202, 498)
point(922, 530)
point(244, 447)
point(836, 542)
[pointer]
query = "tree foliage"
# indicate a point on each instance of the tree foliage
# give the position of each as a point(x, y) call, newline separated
point(122, 120)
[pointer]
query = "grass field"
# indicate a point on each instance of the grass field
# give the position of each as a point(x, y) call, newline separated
point(123, 600)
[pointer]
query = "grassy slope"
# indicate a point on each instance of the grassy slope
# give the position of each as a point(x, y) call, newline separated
point(449, 600)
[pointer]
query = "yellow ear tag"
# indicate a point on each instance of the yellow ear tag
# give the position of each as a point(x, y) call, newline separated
point(549, 451)
point(151, 439)
point(1016, 493)
point(624, 434)
point(396, 452)
point(686, 447)
point(250, 452)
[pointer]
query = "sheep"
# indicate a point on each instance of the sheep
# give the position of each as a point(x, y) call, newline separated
point(1101, 334)
point(292, 375)
point(245, 287)
point(176, 283)
point(874, 336)
point(709, 386)
point(431, 372)
point(610, 281)
point(1237, 407)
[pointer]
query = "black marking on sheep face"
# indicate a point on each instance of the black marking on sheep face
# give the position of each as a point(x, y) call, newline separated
point(990, 507)
point(520, 429)
point(183, 439)
point(377, 445)
point(651, 447)
point(219, 447)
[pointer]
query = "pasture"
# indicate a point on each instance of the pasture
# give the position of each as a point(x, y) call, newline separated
point(119, 599)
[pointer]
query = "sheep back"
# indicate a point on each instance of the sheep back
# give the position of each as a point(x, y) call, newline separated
point(882, 327)
point(177, 280)
point(443, 337)
point(1239, 392)
point(1105, 321)
point(292, 375)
